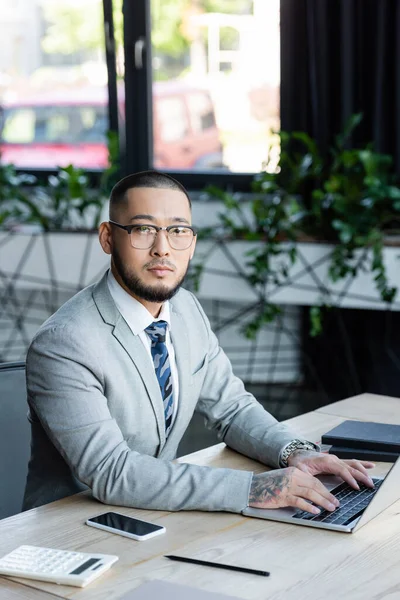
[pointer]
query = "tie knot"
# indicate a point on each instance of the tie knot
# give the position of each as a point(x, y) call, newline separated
point(157, 331)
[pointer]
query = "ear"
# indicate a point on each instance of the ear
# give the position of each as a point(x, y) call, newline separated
point(105, 237)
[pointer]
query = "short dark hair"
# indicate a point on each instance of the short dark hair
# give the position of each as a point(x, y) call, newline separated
point(143, 179)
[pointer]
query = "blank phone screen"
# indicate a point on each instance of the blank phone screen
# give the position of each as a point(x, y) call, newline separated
point(123, 523)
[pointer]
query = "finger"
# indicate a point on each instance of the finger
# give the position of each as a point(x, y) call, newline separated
point(365, 463)
point(362, 477)
point(350, 474)
point(359, 466)
point(325, 499)
point(356, 464)
point(344, 469)
point(305, 481)
point(311, 488)
point(309, 481)
point(302, 504)
point(346, 473)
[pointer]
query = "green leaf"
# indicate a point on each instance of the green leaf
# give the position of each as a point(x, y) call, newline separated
point(349, 127)
point(393, 192)
point(315, 321)
point(338, 224)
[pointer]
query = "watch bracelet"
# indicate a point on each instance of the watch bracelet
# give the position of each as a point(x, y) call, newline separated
point(292, 447)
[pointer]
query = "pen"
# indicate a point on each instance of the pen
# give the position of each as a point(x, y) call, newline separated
point(196, 561)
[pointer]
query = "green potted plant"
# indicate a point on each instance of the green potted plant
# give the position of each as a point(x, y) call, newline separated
point(348, 199)
point(49, 248)
point(66, 202)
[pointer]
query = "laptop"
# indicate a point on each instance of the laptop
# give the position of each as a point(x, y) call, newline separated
point(356, 507)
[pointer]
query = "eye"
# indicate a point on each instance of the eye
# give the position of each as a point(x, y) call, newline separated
point(180, 231)
point(143, 229)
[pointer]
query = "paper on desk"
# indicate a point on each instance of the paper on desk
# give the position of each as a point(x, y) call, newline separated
point(172, 591)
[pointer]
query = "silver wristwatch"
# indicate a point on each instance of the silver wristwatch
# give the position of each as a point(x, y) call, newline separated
point(292, 447)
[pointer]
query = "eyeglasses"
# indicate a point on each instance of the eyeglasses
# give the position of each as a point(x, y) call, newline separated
point(180, 237)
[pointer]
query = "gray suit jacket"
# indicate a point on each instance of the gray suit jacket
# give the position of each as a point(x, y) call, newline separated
point(97, 414)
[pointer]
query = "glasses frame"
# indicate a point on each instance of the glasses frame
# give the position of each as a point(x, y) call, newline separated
point(128, 229)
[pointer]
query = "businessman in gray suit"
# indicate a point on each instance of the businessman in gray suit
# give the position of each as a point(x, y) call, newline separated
point(115, 375)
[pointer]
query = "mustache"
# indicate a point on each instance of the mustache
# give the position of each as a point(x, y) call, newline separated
point(153, 264)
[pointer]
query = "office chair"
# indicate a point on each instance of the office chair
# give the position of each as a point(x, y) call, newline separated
point(15, 437)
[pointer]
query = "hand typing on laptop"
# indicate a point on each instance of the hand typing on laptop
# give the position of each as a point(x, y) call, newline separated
point(296, 485)
point(290, 487)
point(316, 463)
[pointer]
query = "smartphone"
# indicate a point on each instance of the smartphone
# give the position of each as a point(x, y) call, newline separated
point(127, 526)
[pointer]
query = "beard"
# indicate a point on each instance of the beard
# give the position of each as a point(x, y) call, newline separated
point(134, 284)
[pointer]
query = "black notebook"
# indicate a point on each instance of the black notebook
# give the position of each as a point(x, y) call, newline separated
point(364, 454)
point(363, 434)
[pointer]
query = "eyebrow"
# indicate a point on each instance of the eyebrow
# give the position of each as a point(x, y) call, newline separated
point(151, 218)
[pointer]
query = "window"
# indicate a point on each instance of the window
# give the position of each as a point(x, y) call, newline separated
point(201, 84)
point(224, 55)
point(53, 94)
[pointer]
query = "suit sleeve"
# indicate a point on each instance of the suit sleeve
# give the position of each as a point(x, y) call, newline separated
point(239, 420)
point(66, 391)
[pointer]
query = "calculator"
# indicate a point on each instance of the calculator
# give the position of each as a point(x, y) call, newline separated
point(58, 566)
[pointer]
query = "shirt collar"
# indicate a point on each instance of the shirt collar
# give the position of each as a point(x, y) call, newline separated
point(134, 313)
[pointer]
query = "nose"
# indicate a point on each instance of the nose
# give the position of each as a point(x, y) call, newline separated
point(161, 245)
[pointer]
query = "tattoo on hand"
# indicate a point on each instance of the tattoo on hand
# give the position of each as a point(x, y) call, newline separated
point(267, 486)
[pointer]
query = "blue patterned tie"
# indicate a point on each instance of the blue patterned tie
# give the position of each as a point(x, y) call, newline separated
point(157, 333)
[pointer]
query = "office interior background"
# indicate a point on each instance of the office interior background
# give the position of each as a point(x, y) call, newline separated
point(297, 263)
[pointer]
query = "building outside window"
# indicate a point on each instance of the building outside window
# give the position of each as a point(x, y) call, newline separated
point(215, 83)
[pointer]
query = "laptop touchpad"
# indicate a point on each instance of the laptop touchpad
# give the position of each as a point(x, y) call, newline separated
point(330, 481)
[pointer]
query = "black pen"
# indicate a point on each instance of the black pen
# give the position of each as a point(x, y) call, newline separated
point(196, 561)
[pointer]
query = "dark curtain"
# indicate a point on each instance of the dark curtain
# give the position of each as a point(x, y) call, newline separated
point(339, 57)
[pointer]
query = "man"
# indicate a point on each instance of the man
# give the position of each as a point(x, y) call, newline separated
point(115, 375)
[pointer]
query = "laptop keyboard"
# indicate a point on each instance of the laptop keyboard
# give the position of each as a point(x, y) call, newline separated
point(352, 504)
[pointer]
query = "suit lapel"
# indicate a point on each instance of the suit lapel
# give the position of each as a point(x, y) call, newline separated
point(137, 352)
point(133, 345)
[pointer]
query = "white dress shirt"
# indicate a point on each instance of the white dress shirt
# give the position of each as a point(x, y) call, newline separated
point(138, 318)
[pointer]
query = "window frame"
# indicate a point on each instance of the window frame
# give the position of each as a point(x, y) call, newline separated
point(137, 153)
point(139, 138)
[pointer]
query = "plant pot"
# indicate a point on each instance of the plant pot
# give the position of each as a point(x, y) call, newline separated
point(225, 272)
